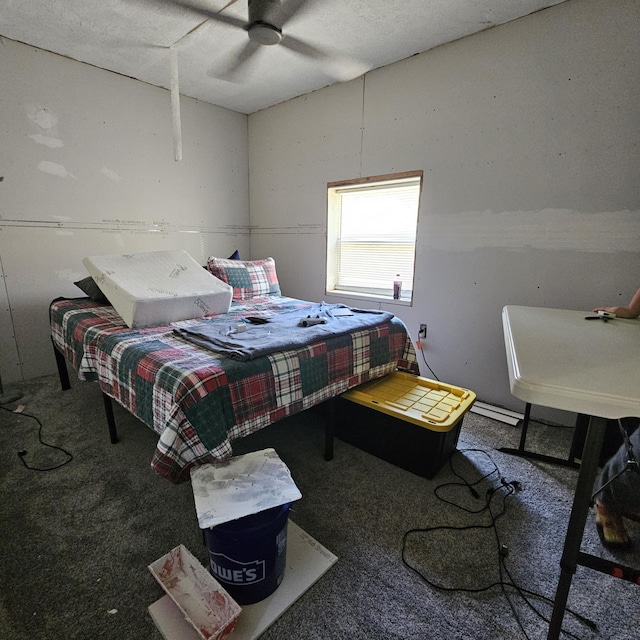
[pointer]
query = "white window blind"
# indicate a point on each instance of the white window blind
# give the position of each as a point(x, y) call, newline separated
point(376, 236)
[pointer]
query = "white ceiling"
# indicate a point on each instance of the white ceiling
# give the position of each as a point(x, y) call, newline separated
point(132, 38)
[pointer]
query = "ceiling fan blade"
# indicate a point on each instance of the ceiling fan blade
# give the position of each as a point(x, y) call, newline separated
point(213, 15)
point(335, 66)
point(193, 30)
point(302, 48)
point(226, 6)
point(240, 64)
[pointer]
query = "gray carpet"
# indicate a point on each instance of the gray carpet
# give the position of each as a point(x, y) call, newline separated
point(76, 541)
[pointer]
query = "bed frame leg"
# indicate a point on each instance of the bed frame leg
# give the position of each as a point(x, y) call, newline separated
point(108, 409)
point(63, 372)
point(329, 428)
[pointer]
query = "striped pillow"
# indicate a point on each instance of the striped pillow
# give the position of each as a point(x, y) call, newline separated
point(249, 278)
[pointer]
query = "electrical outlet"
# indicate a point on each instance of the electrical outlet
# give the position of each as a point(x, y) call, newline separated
point(422, 333)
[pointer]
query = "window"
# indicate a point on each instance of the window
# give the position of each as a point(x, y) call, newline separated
point(371, 234)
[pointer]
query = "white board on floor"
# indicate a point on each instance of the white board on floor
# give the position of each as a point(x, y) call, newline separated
point(307, 560)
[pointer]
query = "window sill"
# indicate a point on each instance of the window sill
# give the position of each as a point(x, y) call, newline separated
point(405, 302)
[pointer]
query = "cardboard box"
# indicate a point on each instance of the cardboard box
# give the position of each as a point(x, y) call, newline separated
point(410, 421)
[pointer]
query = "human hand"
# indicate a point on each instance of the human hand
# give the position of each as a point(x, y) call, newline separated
point(621, 312)
point(632, 310)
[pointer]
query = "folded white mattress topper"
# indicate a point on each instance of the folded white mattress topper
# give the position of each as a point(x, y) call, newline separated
point(158, 287)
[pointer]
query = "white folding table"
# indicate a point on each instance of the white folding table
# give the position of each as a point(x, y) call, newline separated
point(556, 358)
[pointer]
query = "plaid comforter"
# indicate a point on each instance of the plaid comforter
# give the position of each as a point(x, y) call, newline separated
point(198, 401)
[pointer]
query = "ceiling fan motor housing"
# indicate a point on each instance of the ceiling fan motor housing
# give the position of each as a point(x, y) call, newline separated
point(260, 27)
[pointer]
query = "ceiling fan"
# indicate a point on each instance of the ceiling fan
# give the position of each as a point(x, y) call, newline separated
point(264, 26)
point(263, 16)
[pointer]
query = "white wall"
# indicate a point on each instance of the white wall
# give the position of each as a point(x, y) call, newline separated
point(528, 135)
point(87, 161)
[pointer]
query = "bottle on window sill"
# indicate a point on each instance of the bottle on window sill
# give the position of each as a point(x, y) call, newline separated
point(397, 287)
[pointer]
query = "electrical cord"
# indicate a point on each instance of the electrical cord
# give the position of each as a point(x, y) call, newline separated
point(464, 482)
point(427, 365)
point(506, 489)
point(546, 423)
point(22, 453)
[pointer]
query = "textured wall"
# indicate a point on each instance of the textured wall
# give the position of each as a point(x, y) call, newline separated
point(528, 138)
point(87, 161)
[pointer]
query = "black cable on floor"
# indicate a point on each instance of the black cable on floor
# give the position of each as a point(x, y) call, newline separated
point(23, 453)
point(471, 486)
point(552, 425)
point(506, 489)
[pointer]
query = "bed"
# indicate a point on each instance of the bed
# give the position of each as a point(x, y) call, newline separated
point(198, 399)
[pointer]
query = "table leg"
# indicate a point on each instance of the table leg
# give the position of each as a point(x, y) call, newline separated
point(521, 452)
point(577, 520)
point(525, 427)
point(582, 423)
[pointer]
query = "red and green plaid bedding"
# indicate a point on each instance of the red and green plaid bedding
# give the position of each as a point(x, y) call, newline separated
point(198, 401)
